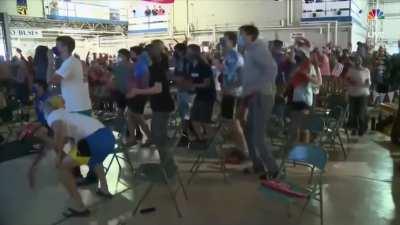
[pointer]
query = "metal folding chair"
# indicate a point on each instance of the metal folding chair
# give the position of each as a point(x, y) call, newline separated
point(210, 152)
point(289, 191)
point(121, 151)
point(156, 173)
point(332, 135)
point(336, 100)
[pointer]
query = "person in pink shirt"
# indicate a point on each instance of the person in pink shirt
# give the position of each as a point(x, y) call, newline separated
point(324, 63)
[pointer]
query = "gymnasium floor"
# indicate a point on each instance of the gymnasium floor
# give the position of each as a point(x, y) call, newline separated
point(365, 190)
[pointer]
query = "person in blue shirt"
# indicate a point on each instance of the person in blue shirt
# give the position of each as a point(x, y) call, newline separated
point(231, 89)
point(40, 90)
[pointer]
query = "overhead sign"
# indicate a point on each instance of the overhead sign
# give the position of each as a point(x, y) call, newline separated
point(295, 35)
point(326, 10)
point(24, 33)
point(85, 11)
point(147, 17)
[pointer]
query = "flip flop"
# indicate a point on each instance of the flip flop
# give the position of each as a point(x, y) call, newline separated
point(75, 213)
point(104, 195)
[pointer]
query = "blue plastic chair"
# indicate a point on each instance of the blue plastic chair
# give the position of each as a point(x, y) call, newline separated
point(309, 156)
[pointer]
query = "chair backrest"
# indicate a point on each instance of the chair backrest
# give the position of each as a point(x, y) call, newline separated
point(336, 100)
point(313, 123)
point(308, 154)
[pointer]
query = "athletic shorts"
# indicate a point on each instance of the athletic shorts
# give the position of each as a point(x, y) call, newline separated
point(229, 106)
point(120, 99)
point(86, 112)
point(96, 147)
point(202, 111)
point(137, 104)
point(299, 106)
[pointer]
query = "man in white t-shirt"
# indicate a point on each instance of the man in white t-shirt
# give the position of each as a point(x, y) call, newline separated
point(74, 88)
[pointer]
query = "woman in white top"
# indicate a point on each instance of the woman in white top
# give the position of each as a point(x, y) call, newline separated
point(358, 82)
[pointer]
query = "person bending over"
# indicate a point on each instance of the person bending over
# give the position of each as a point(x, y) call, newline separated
point(92, 143)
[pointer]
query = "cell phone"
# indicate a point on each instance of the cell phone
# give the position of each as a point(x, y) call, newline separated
point(147, 210)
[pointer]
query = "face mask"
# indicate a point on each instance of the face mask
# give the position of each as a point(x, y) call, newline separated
point(56, 51)
point(120, 59)
point(241, 41)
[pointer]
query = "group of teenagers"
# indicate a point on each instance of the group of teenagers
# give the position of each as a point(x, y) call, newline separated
point(247, 74)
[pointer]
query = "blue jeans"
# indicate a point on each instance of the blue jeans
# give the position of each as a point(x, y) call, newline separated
point(260, 110)
point(184, 98)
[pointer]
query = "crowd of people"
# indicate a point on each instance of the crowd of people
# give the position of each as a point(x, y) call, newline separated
point(245, 77)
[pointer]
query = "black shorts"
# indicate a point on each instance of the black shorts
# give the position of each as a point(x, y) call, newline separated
point(137, 104)
point(299, 106)
point(202, 111)
point(229, 106)
point(120, 99)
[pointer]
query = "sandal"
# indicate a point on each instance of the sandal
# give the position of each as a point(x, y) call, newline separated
point(104, 195)
point(75, 213)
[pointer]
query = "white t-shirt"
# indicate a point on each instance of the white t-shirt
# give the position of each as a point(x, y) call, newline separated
point(359, 80)
point(78, 126)
point(74, 89)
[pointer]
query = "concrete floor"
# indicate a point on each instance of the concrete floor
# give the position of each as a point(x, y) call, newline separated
point(364, 189)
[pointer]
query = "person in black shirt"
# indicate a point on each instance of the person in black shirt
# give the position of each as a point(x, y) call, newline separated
point(204, 86)
point(161, 103)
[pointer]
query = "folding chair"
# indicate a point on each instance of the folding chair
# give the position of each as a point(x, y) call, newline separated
point(336, 100)
point(289, 191)
point(156, 173)
point(121, 151)
point(316, 125)
point(14, 119)
point(277, 127)
point(210, 152)
point(334, 123)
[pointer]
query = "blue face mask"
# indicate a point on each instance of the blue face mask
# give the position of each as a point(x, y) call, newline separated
point(241, 41)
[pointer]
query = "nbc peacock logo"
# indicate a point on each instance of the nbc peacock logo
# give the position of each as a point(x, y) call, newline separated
point(376, 14)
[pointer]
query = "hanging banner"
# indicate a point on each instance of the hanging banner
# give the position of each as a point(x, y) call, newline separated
point(23, 33)
point(22, 7)
point(160, 1)
point(149, 17)
point(85, 11)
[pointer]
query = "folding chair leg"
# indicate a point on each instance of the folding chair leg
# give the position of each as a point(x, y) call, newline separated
point(321, 204)
point(109, 165)
point(147, 192)
point(305, 207)
point(196, 169)
point(126, 158)
point(171, 193)
point(195, 163)
point(182, 185)
point(311, 175)
point(223, 169)
point(341, 145)
point(347, 135)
